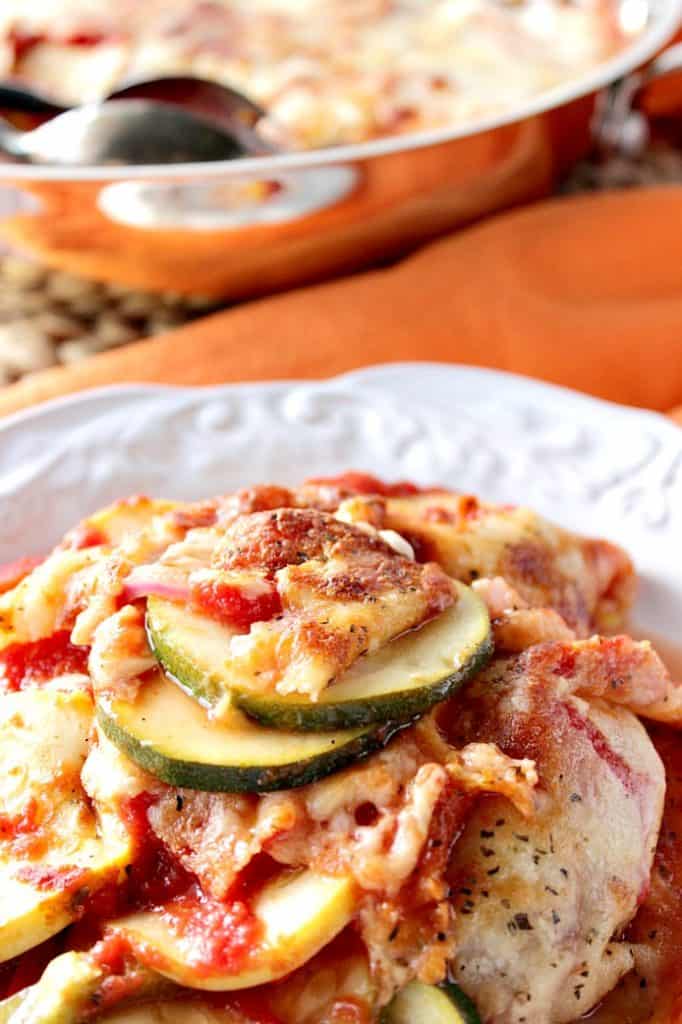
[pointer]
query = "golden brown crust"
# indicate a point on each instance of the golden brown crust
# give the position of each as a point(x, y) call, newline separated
point(290, 536)
point(591, 583)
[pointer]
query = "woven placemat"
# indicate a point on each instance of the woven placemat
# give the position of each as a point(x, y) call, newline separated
point(50, 317)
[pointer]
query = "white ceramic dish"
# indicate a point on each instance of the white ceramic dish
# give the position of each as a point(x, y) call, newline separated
point(596, 467)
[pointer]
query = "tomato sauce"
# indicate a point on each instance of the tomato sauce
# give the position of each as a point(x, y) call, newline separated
point(364, 483)
point(236, 606)
point(112, 953)
point(85, 536)
point(216, 936)
point(29, 664)
point(253, 1006)
point(25, 969)
point(155, 875)
point(629, 779)
point(12, 573)
point(65, 878)
point(23, 824)
point(114, 990)
point(23, 41)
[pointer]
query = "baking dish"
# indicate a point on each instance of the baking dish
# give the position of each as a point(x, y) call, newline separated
point(255, 225)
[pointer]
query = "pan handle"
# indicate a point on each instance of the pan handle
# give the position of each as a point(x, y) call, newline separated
point(228, 203)
point(621, 126)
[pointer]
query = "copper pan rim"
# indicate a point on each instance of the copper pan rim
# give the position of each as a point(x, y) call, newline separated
point(664, 18)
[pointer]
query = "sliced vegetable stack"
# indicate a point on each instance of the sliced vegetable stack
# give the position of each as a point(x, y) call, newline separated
point(298, 742)
point(402, 680)
point(230, 731)
point(225, 660)
point(174, 738)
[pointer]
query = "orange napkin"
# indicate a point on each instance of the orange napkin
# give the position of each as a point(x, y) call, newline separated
point(585, 292)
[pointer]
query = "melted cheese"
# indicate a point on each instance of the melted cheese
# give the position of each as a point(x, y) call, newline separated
point(51, 844)
point(326, 72)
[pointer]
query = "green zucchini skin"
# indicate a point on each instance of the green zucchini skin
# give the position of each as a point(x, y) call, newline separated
point(461, 1000)
point(400, 706)
point(128, 727)
point(418, 1003)
point(397, 699)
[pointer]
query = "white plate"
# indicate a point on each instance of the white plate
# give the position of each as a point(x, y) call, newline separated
point(593, 466)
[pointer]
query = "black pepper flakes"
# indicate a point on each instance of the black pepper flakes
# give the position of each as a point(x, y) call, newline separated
point(522, 923)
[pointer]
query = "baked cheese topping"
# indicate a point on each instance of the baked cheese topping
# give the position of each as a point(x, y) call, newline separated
point(326, 72)
point(262, 742)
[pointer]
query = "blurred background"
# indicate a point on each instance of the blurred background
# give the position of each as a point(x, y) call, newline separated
point(325, 138)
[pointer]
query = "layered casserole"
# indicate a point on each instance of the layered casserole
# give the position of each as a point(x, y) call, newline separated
point(326, 72)
point(339, 754)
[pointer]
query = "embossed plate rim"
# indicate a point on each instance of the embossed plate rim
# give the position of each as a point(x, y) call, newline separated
point(427, 411)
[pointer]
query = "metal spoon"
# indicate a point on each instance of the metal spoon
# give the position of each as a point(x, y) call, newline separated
point(225, 107)
point(124, 131)
point(21, 99)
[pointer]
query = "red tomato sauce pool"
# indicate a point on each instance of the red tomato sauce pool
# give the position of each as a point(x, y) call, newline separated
point(25, 665)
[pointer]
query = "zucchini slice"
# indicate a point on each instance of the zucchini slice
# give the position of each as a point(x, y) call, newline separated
point(299, 914)
point(404, 679)
point(58, 997)
point(172, 736)
point(437, 1004)
point(44, 740)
